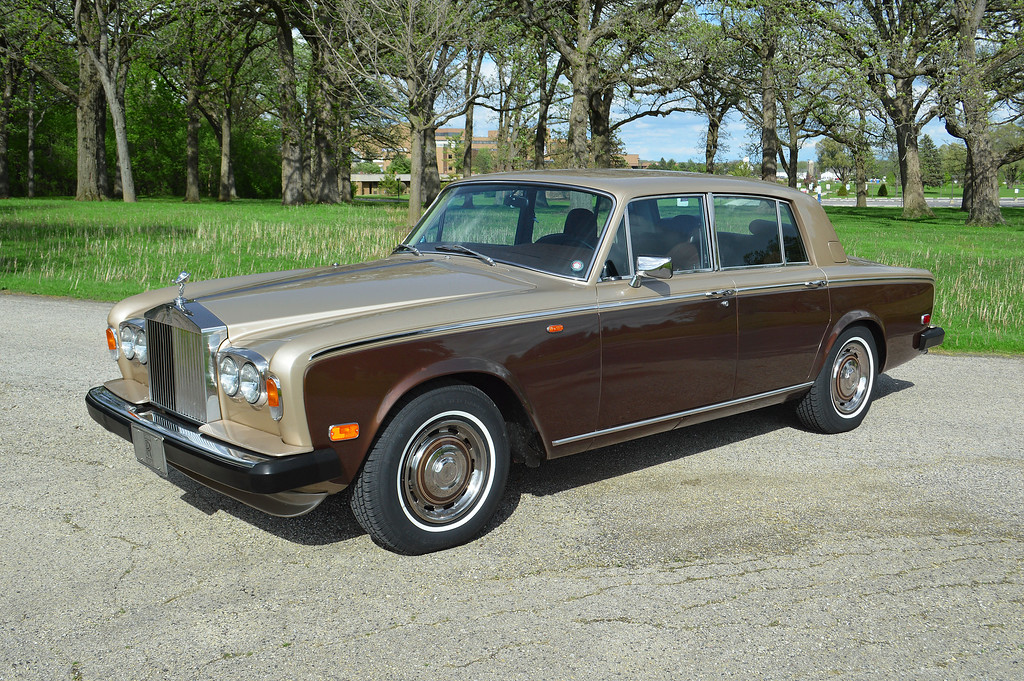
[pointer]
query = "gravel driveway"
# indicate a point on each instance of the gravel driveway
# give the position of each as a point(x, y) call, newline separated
point(743, 548)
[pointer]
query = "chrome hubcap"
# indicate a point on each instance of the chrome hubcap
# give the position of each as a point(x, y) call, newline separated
point(851, 377)
point(445, 469)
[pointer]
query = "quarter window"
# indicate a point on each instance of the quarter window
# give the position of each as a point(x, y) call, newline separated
point(791, 241)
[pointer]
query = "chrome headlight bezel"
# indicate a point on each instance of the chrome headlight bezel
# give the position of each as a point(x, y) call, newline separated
point(131, 339)
point(243, 376)
point(250, 383)
point(227, 375)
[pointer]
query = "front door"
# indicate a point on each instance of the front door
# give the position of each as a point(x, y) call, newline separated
point(668, 345)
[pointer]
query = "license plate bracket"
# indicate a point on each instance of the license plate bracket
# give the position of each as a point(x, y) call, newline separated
point(149, 450)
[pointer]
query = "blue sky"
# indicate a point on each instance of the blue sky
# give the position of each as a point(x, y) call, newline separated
point(679, 136)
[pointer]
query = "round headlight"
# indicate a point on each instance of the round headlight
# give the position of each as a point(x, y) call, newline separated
point(249, 383)
point(228, 376)
point(128, 341)
point(141, 349)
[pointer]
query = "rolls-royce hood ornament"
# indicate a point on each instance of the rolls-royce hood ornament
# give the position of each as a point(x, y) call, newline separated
point(180, 281)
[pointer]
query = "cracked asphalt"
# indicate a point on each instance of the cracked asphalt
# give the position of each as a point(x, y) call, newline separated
point(742, 548)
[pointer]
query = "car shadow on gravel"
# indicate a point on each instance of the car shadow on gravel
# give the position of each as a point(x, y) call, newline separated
point(333, 522)
point(606, 463)
point(330, 522)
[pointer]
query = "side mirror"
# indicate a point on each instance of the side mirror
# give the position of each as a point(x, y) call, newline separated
point(651, 266)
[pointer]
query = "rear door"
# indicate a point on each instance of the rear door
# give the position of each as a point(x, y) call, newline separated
point(782, 301)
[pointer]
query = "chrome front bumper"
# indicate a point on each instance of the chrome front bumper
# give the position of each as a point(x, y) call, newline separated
point(263, 482)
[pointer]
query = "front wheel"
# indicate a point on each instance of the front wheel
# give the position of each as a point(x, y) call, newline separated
point(841, 395)
point(436, 474)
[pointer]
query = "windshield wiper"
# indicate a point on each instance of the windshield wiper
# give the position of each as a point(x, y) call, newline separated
point(406, 247)
point(459, 248)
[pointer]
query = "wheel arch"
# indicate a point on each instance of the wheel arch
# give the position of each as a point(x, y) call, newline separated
point(855, 318)
point(525, 440)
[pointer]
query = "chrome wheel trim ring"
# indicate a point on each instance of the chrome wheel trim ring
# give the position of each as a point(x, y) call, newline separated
point(852, 378)
point(446, 471)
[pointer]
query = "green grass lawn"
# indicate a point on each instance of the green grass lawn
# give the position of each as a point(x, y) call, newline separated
point(979, 271)
point(108, 250)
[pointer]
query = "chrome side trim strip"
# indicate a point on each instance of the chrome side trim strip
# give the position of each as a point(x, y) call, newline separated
point(858, 280)
point(681, 414)
point(800, 285)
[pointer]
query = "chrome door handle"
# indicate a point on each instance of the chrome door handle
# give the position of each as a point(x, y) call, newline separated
point(817, 283)
point(725, 293)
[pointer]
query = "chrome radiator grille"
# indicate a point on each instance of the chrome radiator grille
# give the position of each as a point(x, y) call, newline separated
point(181, 375)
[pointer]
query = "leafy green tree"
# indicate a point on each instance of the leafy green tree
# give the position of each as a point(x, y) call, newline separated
point(891, 46)
point(366, 167)
point(835, 157)
point(953, 159)
point(400, 165)
point(931, 164)
point(391, 185)
point(980, 66)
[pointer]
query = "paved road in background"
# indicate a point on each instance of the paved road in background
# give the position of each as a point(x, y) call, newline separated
point(744, 548)
point(874, 202)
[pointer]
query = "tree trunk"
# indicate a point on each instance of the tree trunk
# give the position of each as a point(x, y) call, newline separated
point(192, 145)
point(323, 132)
point(226, 185)
point(90, 116)
point(30, 170)
point(417, 162)
point(794, 158)
point(121, 139)
point(472, 79)
point(914, 204)
point(769, 136)
point(431, 174)
point(291, 114)
point(547, 96)
point(345, 147)
point(600, 127)
point(711, 145)
point(579, 117)
point(6, 103)
point(861, 170)
point(984, 207)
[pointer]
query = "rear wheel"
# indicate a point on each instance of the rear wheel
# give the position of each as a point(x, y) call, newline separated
point(436, 474)
point(841, 395)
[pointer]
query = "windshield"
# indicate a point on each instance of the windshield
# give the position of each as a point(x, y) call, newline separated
point(548, 228)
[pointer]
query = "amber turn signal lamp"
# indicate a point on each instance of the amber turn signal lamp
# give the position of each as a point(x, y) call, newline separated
point(344, 431)
point(111, 340)
point(555, 328)
point(273, 396)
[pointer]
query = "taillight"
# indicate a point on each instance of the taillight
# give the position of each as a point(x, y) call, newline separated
point(926, 319)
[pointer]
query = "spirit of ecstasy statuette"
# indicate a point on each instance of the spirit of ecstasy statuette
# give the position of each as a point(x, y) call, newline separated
point(180, 281)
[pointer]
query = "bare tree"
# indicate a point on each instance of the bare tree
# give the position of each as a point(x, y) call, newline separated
point(600, 42)
point(415, 51)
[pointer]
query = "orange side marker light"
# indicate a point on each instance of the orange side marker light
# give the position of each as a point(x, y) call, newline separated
point(556, 328)
point(344, 431)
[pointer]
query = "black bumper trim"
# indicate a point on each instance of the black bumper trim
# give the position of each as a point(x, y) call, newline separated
point(228, 465)
point(929, 338)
